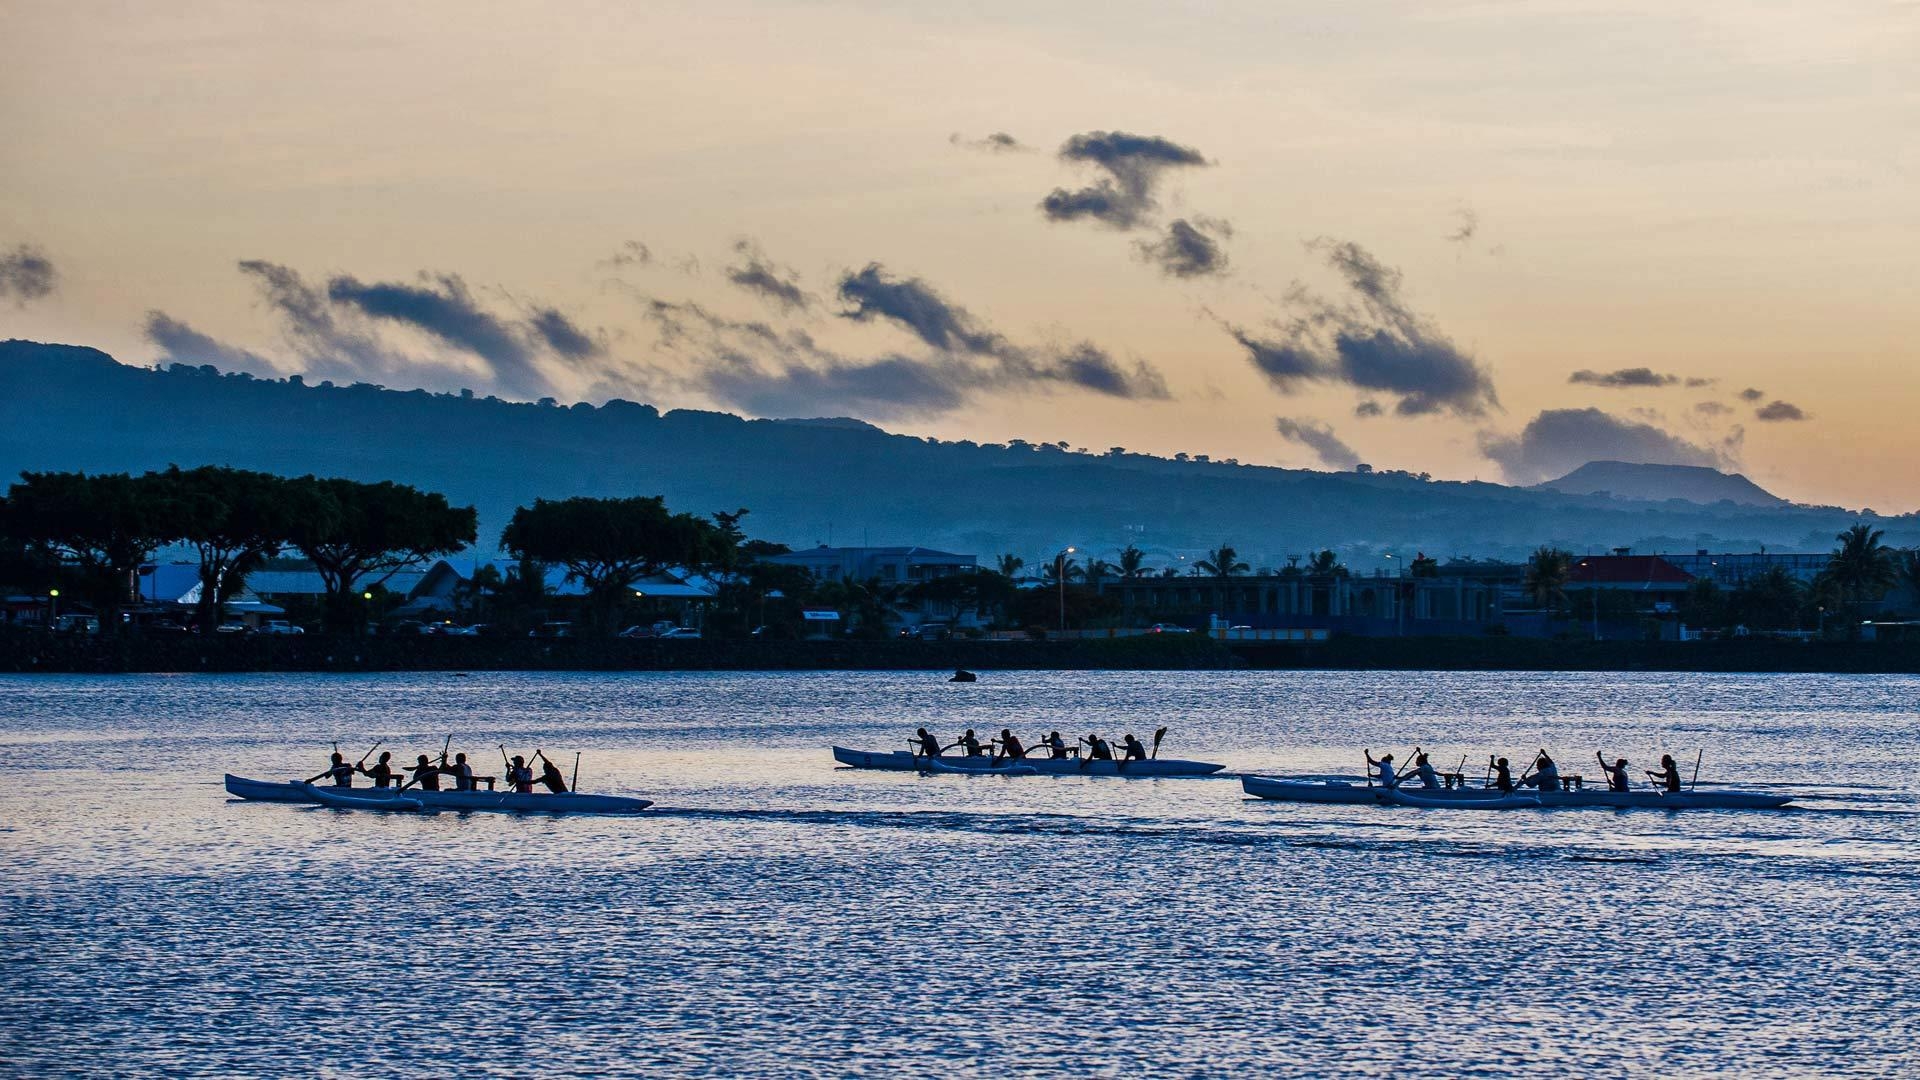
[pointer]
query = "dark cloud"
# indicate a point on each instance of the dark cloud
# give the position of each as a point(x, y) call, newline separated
point(444, 308)
point(1697, 383)
point(27, 274)
point(562, 335)
point(1469, 224)
point(182, 344)
point(1366, 410)
point(1778, 411)
point(631, 253)
point(1189, 249)
point(1712, 408)
point(888, 387)
point(776, 285)
point(1319, 438)
point(1624, 378)
point(998, 142)
point(329, 345)
point(1375, 342)
point(1752, 394)
point(1558, 441)
point(1133, 164)
point(915, 306)
point(1091, 368)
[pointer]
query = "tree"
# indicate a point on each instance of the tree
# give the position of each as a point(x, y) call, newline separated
point(729, 542)
point(1424, 566)
point(1546, 579)
point(1058, 567)
point(1326, 564)
point(1097, 570)
point(1704, 605)
point(104, 526)
point(358, 535)
point(1009, 566)
point(1222, 562)
point(608, 544)
point(1770, 600)
point(236, 520)
point(1133, 563)
point(1861, 569)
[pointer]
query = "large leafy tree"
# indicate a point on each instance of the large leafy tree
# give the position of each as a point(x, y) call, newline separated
point(1769, 600)
point(1222, 562)
point(235, 520)
point(358, 535)
point(1862, 568)
point(608, 544)
point(103, 526)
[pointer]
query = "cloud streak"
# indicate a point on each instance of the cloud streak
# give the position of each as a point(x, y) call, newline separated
point(444, 308)
point(1372, 342)
point(998, 142)
point(1188, 249)
point(1318, 437)
point(182, 344)
point(1133, 164)
point(1624, 378)
point(1778, 411)
point(776, 285)
point(26, 273)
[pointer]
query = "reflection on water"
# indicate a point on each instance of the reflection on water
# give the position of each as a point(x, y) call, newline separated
point(778, 916)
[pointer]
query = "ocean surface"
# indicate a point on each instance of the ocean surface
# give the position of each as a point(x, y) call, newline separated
point(778, 916)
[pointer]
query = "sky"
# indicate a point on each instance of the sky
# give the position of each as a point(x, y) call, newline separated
point(1485, 240)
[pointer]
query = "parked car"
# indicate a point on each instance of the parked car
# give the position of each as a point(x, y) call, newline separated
point(633, 632)
point(281, 627)
point(456, 630)
point(681, 633)
point(1167, 628)
point(934, 632)
point(165, 626)
point(76, 624)
point(233, 626)
point(552, 630)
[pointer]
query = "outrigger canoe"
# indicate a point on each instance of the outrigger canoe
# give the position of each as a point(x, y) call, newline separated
point(935, 765)
point(571, 802)
point(902, 761)
point(1337, 791)
point(353, 799)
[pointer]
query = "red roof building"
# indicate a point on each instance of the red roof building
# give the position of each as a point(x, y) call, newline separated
point(1647, 573)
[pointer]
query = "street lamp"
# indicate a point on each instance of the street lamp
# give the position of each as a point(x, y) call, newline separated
point(1060, 579)
point(53, 607)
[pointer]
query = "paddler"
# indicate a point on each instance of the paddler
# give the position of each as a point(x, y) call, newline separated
point(461, 772)
point(519, 777)
point(550, 774)
point(971, 744)
point(1616, 772)
point(1383, 769)
point(340, 771)
point(1546, 775)
point(1135, 750)
point(1056, 746)
point(1669, 775)
point(382, 771)
point(929, 746)
point(1097, 749)
point(1503, 775)
point(1010, 747)
point(426, 775)
point(1423, 769)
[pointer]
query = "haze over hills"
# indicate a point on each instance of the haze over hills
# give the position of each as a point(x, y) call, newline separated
point(1694, 483)
point(835, 480)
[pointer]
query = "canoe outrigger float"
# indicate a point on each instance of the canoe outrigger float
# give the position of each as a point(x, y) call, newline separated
point(902, 761)
point(571, 802)
point(1339, 791)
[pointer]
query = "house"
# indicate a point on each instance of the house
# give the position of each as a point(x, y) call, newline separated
point(1651, 575)
point(904, 567)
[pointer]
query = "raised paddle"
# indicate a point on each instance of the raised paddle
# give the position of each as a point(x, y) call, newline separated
point(1697, 758)
point(369, 753)
point(575, 785)
point(1158, 734)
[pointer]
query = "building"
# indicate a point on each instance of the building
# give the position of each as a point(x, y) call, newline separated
point(1468, 598)
point(904, 567)
point(1730, 570)
point(1652, 575)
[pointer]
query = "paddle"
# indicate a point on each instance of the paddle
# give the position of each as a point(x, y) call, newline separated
point(575, 785)
point(1697, 758)
point(1157, 736)
point(369, 753)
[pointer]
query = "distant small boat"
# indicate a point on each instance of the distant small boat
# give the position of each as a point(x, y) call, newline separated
point(1279, 789)
point(902, 761)
point(963, 675)
point(571, 802)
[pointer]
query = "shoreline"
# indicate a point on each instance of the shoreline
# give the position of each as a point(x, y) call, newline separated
point(37, 653)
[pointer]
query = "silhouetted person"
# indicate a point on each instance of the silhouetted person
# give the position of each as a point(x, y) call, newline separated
point(1383, 769)
point(1010, 747)
point(551, 776)
point(971, 744)
point(1098, 750)
point(461, 772)
point(519, 777)
point(341, 772)
point(382, 771)
point(426, 775)
point(1546, 775)
point(1424, 770)
point(929, 746)
point(1503, 775)
point(1136, 751)
point(1669, 775)
point(1616, 772)
point(1056, 746)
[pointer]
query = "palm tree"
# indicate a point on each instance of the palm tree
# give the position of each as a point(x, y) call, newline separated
point(1861, 568)
point(1546, 581)
point(1097, 571)
point(1059, 567)
point(1133, 563)
point(1009, 566)
point(1222, 562)
point(1326, 564)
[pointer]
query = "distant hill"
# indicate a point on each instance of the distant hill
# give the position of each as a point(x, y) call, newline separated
point(1694, 483)
point(66, 407)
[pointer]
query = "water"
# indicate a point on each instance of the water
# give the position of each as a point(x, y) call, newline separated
point(778, 916)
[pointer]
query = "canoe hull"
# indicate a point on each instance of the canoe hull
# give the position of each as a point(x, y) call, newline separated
point(508, 801)
point(347, 800)
point(901, 761)
point(1282, 790)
